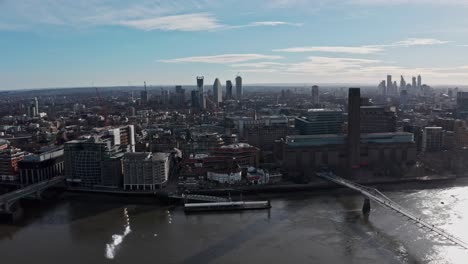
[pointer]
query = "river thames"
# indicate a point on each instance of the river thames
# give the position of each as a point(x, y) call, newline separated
point(302, 228)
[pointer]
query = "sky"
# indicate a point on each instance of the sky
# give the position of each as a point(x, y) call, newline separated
point(69, 43)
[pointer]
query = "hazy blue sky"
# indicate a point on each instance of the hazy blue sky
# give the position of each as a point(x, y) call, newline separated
point(60, 43)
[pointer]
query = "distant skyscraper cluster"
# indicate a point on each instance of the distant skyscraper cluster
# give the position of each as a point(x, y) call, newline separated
point(390, 88)
point(33, 109)
point(199, 97)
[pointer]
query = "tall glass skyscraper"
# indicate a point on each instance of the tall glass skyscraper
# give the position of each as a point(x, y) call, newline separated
point(201, 92)
point(239, 91)
point(228, 89)
point(217, 91)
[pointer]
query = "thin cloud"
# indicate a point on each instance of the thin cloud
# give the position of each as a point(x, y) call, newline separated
point(314, 64)
point(329, 69)
point(147, 15)
point(317, 4)
point(334, 49)
point(262, 24)
point(296, 3)
point(222, 59)
point(262, 64)
point(274, 23)
point(410, 2)
point(330, 65)
point(194, 22)
point(257, 70)
point(366, 49)
point(187, 22)
point(11, 27)
point(417, 42)
point(327, 60)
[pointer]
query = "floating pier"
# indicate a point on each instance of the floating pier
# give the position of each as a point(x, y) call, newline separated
point(226, 206)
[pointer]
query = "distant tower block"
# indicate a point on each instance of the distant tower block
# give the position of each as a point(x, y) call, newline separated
point(217, 91)
point(389, 85)
point(228, 89)
point(315, 95)
point(383, 88)
point(144, 95)
point(36, 104)
point(239, 91)
point(201, 92)
point(402, 83)
point(200, 82)
point(195, 99)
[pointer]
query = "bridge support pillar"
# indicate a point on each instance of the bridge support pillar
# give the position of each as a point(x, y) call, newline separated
point(8, 206)
point(11, 211)
point(366, 206)
point(39, 195)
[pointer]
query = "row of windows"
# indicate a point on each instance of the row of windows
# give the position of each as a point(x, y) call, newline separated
point(312, 159)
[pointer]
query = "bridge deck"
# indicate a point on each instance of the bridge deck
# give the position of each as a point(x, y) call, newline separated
point(374, 195)
point(29, 190)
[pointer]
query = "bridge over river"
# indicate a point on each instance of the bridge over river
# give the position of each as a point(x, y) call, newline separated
point(372, 194)
point(34, 190)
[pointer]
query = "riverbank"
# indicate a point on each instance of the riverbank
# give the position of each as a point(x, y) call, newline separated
point(319, 187)
point(320, 184)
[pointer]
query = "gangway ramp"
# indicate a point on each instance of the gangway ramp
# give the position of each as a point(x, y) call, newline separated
point(200, 198)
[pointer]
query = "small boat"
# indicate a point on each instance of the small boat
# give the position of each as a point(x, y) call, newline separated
point(226, 206)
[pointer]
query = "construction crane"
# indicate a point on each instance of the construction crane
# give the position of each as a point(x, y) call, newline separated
point(103, 106)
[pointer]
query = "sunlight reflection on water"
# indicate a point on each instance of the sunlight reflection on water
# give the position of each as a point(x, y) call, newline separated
point(446, 209)
point(112, 248)
point(329, 228)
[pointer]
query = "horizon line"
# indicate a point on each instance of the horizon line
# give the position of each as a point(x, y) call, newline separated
point(194, 85)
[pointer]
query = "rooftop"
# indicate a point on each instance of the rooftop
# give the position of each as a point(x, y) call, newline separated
point(145, 156)
point(237, 146)
point(137, 155)
point(390, 137)
point(315, 140)
point(339, 139)
point(160, 156)
point(372, 106)
point(324, 110)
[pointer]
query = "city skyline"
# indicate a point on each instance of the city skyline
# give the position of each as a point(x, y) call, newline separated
point(69, 44)
point(234, 131)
